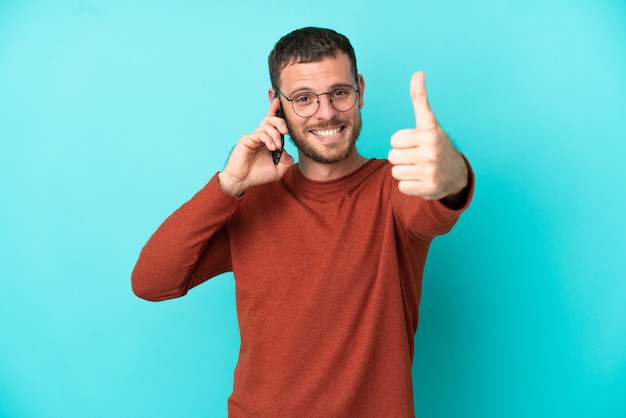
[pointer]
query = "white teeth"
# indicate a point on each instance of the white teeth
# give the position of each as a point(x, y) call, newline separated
point(328, 132)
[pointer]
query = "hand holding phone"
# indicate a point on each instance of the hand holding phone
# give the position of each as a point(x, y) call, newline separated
point(247, 164)
point(276, 154)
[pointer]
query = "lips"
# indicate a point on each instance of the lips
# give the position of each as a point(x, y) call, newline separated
point(327, 133)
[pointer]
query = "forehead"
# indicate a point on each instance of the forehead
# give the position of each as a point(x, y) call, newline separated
point(317, 75)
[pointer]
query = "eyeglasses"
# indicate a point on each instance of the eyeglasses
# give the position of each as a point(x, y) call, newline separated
point(307, 103)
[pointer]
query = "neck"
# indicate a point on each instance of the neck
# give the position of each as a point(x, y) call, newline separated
point(325, 172)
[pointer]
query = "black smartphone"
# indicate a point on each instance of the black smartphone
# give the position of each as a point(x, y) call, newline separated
point(276, 154)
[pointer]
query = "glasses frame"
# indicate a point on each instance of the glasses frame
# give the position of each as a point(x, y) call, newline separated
point(329, 93)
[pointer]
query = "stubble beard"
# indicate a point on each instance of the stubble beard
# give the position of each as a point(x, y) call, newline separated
point(334, 152)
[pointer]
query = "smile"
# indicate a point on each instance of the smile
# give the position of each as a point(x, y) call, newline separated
point(327, 133)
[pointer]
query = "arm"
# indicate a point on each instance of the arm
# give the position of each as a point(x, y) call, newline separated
point(190, 247)
point(423, 218)
point(426, 163)
point(250, 164)
point(461, 199)
point(428, 167)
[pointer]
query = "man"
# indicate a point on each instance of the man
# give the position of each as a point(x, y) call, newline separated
point(328, 253)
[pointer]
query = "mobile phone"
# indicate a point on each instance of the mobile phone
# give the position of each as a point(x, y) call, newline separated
point(276, 154)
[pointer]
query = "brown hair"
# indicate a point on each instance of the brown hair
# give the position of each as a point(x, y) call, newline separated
point(308, 45)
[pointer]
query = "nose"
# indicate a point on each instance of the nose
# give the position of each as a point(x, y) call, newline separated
point(326, 110)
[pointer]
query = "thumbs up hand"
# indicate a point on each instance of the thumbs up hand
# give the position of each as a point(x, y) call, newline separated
point(425, 162)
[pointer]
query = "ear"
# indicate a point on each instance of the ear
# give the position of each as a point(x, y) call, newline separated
point(272, 94)
point(361, 82)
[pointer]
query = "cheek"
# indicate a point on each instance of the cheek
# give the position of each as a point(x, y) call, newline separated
point(297, 129)
point(293, 127)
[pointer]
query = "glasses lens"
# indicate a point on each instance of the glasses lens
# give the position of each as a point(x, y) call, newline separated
point(343, 99)
point(306, 104)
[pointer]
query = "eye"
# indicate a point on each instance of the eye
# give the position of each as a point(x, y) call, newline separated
point(340, 93)
point(303, 99)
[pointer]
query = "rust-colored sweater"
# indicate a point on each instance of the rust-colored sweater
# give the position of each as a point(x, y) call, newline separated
point(328, 283)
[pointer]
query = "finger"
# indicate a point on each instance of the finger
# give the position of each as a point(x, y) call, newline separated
point(274, 106)
point(424, 116)
point(273, 138)
point(260, 138)
point(286, 159)
point(407, 172)
point(274, 118)
point(407, 156)
point(274, 132)
point(405, 138)
point(418, 188)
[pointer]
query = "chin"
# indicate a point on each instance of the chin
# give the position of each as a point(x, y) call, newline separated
point(332, 153)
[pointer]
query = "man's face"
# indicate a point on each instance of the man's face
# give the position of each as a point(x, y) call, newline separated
point(329, 135)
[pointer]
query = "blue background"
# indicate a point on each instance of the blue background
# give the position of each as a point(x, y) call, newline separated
point(114, 113)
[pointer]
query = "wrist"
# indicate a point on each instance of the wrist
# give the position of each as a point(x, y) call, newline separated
point(230, 184)
point(458, 196)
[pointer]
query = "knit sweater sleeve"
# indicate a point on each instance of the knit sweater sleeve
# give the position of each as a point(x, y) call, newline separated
point(424, 219)
point(190, 247)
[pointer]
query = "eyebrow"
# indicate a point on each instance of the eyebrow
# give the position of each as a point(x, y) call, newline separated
point(331, 88)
